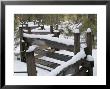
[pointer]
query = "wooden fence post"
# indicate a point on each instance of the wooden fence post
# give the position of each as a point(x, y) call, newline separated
point(89, 42)
point(51, 29)
point(31, 66)
point(56, 27)
point(26, 26)
point(34, 22)
point(29, 30)
point(89, 51)
point(76, 41)
point(21, 44)
point(76, 47)
point(42, 27)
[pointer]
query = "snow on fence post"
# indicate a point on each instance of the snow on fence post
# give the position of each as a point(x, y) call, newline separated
point(51, 29)
point(89, 42)
point(76, 41)
point(31, 66)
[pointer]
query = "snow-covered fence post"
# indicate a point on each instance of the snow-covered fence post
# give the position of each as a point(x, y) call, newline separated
point(89, 42)
point(51, 29)
point(76, 41)
point(31, 67)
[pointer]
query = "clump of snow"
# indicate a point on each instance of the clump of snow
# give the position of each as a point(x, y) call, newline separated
point(90, 58)
point(56, 31)
point(40, 30)
point(22, 40)
point(31, 48)
point(22, 25)
point(80, 67)
point(25, 30)
point(88, 30)
point(73, 60)
point(83, 45)
point(76, 30)
point(48, 37)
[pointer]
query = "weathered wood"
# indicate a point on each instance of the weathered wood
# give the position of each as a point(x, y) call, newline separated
point(29, 30)
point(90, 70)
point(56, 34)
point(89, 43)
point(26, 26)
point(46, 63)
point(21, 45)
point(42, 27)
point(76, 43)
point(31, 67)
point(89, 52)
point(51, 29)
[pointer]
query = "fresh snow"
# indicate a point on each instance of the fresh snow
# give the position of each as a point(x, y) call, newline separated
point(25, 30)
point(31, 24)
point(56, 31)
point(31, 48)
point(40, 30)
point(90, 58)
point(73, 60)
point(19, 66)
point(76, 30)
point(88, 30)
point(48, 37)
point(22, 25)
